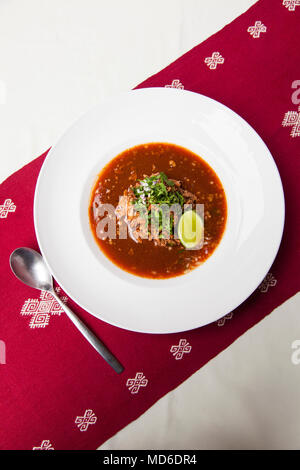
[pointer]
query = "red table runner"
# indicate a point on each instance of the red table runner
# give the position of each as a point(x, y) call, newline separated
point(55, 391)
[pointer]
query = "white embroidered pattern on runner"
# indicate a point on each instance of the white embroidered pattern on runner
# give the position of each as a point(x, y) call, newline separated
point(84, 421)
point(45, 445)
point(135, 384)
point(41, 309)
point(7, 207)
point(291, 4)
point(269, 281)
point(256, 30)
point(175, 84)
point(214, 60)
point(292, 119)
point(178, 350)
point(222, 320)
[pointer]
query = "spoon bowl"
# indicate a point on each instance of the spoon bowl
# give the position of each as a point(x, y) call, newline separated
point(30, 268)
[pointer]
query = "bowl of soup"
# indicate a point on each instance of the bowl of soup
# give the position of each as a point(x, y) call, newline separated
point(147, 177)
point(159, 210)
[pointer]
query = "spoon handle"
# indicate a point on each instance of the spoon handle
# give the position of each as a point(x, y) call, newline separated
point(92, 339)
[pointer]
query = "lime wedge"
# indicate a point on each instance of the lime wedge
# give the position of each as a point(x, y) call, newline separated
point(190, 229)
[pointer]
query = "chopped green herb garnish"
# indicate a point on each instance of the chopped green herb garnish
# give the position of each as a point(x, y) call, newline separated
point(157, 190)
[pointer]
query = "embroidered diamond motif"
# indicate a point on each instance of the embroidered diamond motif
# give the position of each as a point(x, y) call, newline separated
point(178, 350)
point(291, 4)
point(292, 119)
point(45, 445)
point(84, 421)
point(175, 84)
point(7, 207)
point(222, 320)
point(135, 384)
point(214, 60)
point(269, 281)
point(256, 30)
point(41, 309)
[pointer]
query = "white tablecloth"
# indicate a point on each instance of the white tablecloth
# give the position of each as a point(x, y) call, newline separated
point(58, 58)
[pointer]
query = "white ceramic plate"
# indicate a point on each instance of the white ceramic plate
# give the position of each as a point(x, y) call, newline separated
point(254, 197)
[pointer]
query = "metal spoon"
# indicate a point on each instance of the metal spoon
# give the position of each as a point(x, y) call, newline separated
point(30, 268)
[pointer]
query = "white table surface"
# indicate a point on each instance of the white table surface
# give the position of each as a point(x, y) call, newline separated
point(58, 58)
